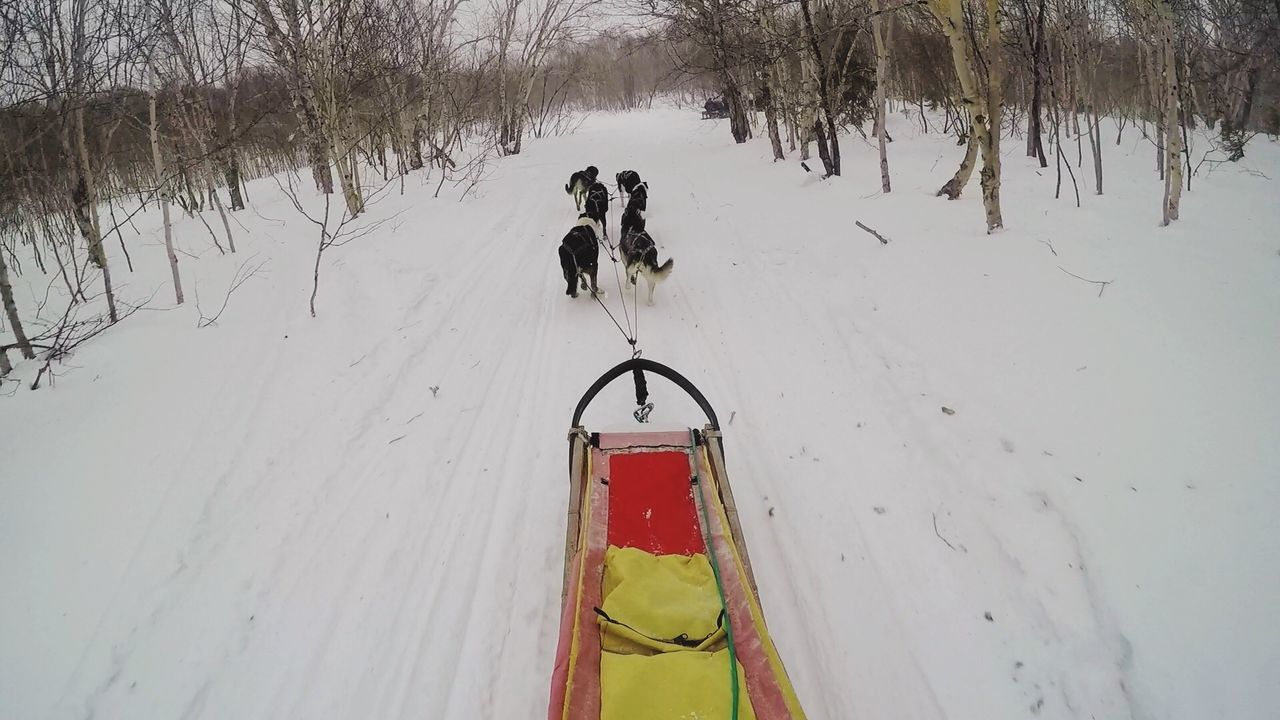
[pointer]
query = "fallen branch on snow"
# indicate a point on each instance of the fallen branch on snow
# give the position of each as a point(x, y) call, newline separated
point(935, 532)
point(883, 240)
point(1101, 283)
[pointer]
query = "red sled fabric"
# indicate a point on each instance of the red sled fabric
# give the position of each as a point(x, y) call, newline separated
point(651, 504)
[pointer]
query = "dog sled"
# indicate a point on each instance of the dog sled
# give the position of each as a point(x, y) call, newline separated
point(715, 108)
point(660, 616)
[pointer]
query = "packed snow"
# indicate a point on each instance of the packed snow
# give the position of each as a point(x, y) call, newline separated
point(973, 483)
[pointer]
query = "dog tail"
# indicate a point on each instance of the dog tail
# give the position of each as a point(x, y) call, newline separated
point(666, 269)
point(567, 190)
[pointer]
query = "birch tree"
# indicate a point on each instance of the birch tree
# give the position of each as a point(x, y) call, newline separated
point(11, 310)
point(767, 85)
point(66, 45)
point(1034, 26)
point(1156, 23)
point(162, 193)
point(291, 49)
point(828, 142)
point(883, 39)
point(528, 31)
point(194, 112)
point(1172, 111)
point(982, 104)
point(8, 39)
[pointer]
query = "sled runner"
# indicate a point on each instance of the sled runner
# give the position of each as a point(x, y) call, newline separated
point(660, 617)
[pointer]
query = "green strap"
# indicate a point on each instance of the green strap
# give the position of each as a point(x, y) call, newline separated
point(728, 624)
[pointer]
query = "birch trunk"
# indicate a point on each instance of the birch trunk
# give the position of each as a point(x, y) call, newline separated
point(526, 93)
point(291, 54)
point(222, 213)
point(770, 91)
point(231, 171)
point(771, 116)
point(1154, 73)
point(779, 75)
point(1035, 127)
point(163, 191)
point(738, 125)
point(231, 161)
point(11, 310)
point(1172, 101)
point(87, 211)
point(345, 158)
point(807, 110)
point(983, 107)
point(953, 187)
point(1096, 141)
point(831, 157)
point(995, 102)
point(882, 75)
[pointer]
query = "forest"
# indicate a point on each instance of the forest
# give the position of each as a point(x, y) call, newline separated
point(110, 109)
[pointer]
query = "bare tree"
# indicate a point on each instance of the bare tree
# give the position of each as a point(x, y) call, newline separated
point(721, 30)
point(333, 232)
point(528, 32)
point(67, 48)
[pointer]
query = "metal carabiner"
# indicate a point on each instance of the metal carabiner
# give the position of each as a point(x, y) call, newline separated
point(642, 413)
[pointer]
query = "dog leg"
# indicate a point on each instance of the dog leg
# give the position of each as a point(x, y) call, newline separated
point(568, 271)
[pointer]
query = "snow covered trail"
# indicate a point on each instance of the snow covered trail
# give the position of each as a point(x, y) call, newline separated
point(361, 515)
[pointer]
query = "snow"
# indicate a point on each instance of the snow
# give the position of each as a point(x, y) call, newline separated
point(361, 514)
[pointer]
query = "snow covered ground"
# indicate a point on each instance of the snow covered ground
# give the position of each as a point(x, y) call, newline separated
point(361, 515)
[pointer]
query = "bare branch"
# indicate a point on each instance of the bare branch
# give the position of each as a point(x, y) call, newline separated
point(1102, 284)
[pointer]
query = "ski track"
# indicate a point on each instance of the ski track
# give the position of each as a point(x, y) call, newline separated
point(334, 539)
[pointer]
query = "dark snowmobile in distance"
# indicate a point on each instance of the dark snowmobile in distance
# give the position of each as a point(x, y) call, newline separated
point(715, 108)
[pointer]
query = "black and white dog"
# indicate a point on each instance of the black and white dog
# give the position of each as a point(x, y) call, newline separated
point(579, 182)
point(633, 215)
point(597, 206)
point(640, 256)
point(579, 256)
point(627, 181)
